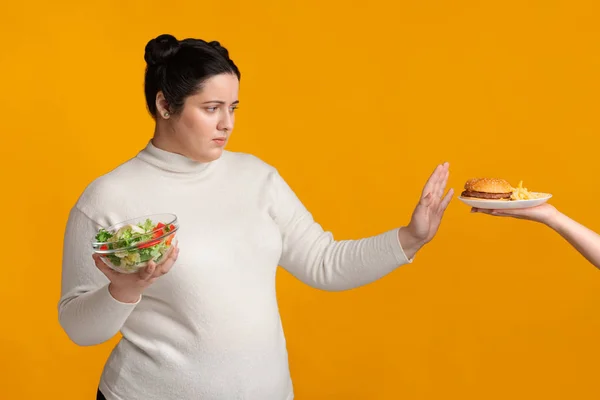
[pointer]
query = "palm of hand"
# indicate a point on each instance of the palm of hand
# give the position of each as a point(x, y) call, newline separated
point(427, 216)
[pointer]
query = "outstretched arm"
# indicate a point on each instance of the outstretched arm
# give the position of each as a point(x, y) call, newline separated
point(583, 239)
point(312, 255)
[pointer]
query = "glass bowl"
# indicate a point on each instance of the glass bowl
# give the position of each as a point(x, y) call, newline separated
point(129, 245)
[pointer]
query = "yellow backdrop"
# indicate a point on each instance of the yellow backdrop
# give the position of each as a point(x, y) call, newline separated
point(355, 103)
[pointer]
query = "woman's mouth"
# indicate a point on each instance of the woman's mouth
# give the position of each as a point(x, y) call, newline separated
point(220, 141)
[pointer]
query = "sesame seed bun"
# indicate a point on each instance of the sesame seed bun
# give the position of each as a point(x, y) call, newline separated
point(488, 188)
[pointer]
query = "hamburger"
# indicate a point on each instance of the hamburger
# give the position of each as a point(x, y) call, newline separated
point(487, 189)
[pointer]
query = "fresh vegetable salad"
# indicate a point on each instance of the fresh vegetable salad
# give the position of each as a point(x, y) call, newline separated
point(133, 245)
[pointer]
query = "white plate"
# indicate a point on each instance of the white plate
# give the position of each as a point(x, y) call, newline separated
point(505, 204)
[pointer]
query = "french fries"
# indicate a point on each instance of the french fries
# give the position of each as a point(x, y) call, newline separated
point(521, 193)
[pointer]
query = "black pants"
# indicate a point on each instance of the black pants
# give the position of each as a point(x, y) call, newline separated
point(100, 396)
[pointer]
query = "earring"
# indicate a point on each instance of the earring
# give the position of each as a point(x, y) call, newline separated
point(166, 114)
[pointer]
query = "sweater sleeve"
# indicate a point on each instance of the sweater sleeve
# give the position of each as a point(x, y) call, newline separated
point(315, 258)
point(86, 310)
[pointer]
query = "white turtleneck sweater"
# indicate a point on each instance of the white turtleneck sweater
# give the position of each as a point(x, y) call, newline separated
point(210, 328)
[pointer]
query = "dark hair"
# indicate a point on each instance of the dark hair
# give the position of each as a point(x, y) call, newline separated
point(178, 68)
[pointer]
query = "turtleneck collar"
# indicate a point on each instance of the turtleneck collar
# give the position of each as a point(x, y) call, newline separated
point(172, 162)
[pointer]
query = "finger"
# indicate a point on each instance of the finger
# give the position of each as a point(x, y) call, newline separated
point(146, 273)
point(430, 184)
point(165, 268)
point(162, 268)
point(96, 257)
point(441, 187)
point(174, 254)
point(482, 210)
point(517, 213)
point(171, 254)
point(437, 184)
point(102, 266)
point(168, 264)
point(446, 200)
point(494, 212)
point(426, 201)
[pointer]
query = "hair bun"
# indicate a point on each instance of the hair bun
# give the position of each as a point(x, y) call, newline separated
point(160, 49)
point(222, 50)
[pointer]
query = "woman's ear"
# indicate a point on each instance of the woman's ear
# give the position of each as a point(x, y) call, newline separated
point(162, 107)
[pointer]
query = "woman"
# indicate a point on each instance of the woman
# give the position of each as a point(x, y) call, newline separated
point(210, 328)
point(584, 240)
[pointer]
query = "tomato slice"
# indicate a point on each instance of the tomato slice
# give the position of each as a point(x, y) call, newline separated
point(148, 244)
point(159, 230)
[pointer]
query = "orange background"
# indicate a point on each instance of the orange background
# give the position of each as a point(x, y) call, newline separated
point(355, 103)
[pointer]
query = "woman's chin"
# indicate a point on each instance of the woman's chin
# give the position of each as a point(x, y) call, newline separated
point(208, 156)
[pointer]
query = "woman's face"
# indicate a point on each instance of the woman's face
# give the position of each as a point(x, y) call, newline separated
point(204, 126)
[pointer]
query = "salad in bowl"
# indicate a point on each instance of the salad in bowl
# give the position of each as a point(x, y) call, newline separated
point(130, 245)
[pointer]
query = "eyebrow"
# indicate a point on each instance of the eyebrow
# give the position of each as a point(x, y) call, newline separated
point(221, 102)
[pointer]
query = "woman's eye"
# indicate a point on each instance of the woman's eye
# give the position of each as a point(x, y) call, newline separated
point(232, 109)
point(211, 109)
